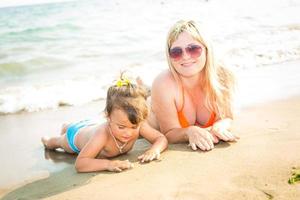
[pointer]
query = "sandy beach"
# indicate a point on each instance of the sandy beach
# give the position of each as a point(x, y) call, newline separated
point(256, 167)
point(57, 60)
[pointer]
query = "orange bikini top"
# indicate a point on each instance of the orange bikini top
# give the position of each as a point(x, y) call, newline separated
point(183, 121)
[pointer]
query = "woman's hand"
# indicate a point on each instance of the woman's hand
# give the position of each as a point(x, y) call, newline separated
point(149, 156)
point(118, 165)
point(221, 130)
point(200, 138)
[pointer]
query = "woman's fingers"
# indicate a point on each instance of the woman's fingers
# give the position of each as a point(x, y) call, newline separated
point(215, 138)
point(203, 141)
point(231, 137)
point(208, 144)
point(193, 146)
point(237, 137)
point(210, 140)
point(221, 135)
point(201, 146)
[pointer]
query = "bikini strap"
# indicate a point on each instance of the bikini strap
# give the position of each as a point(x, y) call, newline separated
point(182, 89)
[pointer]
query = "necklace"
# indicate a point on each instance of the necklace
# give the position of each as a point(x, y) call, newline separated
point(118, 146)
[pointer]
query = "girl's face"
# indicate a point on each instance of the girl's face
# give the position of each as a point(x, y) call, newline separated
point(187, 55)
point(121, 127)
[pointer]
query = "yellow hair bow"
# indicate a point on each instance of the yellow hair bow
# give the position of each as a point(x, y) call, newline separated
point(122, 82)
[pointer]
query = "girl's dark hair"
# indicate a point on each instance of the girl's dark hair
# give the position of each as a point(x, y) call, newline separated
point(129, 97)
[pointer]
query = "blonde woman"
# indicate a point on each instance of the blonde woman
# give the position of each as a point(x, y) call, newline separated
point(192, 100)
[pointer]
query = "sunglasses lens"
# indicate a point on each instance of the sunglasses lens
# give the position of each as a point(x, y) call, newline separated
point(194, 51)
point(176, 53)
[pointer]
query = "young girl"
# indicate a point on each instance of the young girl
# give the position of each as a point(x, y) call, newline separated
point(126, 111)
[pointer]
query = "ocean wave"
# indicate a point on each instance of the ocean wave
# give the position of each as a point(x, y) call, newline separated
point(71, 51)
point(50, 96)
point(38, 34)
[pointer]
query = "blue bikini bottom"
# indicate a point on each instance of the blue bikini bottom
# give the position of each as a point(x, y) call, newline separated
point(73, 130)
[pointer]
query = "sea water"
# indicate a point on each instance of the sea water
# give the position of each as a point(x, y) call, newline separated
point(68, 53)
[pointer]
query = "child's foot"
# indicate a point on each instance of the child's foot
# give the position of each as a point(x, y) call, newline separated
point(64, 128)
point(45, 142)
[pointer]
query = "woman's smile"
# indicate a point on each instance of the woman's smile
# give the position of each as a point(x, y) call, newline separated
point(188, 64)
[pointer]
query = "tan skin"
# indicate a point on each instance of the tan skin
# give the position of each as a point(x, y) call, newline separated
point(96, 143)
point(165, 105)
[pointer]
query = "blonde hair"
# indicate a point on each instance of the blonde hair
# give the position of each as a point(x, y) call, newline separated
point(217, 81)
point(129, 97)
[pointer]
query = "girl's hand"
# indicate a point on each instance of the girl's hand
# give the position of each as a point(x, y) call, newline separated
point(200, 138)
point(149, 156)
point(220, 130)
point(118, 165)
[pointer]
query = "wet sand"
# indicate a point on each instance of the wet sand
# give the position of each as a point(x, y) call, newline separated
point(24, 158)
point(256, 167)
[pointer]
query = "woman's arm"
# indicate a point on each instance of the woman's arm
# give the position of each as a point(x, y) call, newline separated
point(163, 93)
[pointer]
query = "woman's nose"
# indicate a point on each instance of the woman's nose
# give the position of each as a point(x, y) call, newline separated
point(185, 54)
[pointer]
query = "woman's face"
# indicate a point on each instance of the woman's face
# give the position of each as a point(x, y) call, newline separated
point(187, 55)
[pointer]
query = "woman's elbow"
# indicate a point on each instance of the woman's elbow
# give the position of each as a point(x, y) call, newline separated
point(170, 139)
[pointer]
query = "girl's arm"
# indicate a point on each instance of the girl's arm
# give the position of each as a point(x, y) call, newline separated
point(87, 162)
point(157, 139)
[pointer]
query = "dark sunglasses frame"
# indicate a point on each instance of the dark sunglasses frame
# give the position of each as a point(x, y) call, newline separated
point(193, 50)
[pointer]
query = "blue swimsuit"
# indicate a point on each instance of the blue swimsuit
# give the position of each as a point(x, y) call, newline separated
point(73, 130)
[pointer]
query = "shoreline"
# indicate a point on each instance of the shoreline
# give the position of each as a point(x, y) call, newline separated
point(257, 166)
point(257, 85)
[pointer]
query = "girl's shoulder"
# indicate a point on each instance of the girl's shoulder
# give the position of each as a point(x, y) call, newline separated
point(101, 131)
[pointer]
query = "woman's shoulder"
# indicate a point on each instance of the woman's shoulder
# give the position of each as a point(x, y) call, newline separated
point(164, 87)
point(164, 80)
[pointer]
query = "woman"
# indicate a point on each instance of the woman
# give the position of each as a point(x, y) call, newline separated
point(192, 101)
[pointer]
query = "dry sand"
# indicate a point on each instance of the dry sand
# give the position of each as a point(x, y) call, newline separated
point(256, 167)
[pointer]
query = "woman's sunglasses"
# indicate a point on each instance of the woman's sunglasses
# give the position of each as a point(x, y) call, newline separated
point(193, 50)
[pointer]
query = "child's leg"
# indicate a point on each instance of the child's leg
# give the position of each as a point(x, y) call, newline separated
point(59, 141)
point(64, 128)
point(53, 142)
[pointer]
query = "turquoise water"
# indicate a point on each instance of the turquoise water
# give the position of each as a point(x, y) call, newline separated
point(68, 53)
